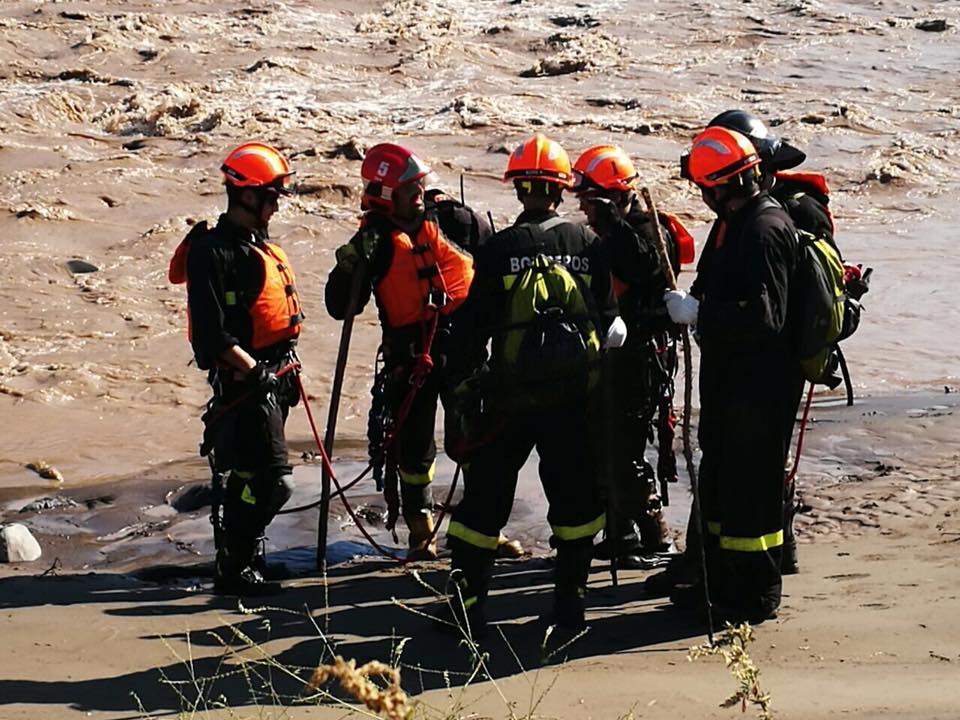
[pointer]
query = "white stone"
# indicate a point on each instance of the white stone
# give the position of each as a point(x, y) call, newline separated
point(17, 544)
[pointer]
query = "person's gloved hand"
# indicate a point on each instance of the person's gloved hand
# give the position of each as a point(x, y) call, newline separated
point(605, 214)
point(856, 280)
point(360, 248)
point(262, 378)
point(616, 334)
point(348, 257)
point(681, 306)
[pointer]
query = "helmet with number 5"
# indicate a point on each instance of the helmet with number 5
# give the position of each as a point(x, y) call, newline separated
point(385, 168)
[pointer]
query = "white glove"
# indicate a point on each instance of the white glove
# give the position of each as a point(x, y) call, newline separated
point(683, 308)
point(616, 334)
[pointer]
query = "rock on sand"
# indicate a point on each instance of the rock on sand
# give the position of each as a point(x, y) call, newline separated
point(17, 544)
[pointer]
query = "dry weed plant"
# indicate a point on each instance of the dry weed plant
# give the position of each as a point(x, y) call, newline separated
point(731, 645)
point(243, 657)
point(391, 702)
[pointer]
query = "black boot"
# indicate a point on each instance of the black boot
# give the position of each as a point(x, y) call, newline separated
point(467, 590)
point(235, 572)
point(570, 583)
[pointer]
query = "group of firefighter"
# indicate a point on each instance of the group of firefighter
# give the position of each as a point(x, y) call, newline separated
point(548, 334)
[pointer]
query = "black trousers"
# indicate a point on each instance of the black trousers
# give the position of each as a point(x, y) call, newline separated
point(414, 450)
point(250, 449)
point(568, 475)
point(642, 383)
point(745, 436)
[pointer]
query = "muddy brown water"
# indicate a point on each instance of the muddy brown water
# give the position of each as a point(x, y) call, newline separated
point(114, 117)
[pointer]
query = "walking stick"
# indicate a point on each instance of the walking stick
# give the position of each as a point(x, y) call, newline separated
point(687, 402)
point(356, 285)
point(609, 467)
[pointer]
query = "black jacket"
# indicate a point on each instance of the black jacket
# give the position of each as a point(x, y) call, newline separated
point(222, 264)
point(743, 281)
point(630, 247)
point(509, 252)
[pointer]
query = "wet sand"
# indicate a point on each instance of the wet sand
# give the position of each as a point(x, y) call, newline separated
point(867, 629)
point(113, 119)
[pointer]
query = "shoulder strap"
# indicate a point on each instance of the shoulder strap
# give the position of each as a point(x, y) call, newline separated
point(552, 223)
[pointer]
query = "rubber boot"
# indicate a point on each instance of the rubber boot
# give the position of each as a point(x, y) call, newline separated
point(270, 571)
point(570, 583)
point(508, 549)
point(627, 546)
point(654, 533)
point(467, 590)
point(423, 540)
point(235, 572)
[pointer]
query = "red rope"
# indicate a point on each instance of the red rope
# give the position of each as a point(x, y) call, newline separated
point(342, 490)
point(791, 476)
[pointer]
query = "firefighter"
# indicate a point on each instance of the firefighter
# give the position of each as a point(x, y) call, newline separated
point(418, 276)
point(244, 319)
point(750, 378)
point(806, 197)
point(644, 369)
point(542, 299)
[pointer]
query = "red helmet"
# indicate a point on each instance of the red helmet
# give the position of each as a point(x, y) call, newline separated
point(255, 165)
point(385, 168)
point(718, 155)
point(539, 158)
point(603, 167)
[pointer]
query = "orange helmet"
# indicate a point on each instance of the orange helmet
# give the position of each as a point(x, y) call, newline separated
point(716, 156)
point(385, 168)
point(604, 167)
point(539, 158)
point(255, 165)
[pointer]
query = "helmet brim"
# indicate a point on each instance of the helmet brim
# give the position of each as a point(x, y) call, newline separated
point(786, 157)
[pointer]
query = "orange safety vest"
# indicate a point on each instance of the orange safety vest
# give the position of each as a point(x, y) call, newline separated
point(419, 270)
point(275, 312)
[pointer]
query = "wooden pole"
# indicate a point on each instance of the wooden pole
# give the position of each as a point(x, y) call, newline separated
point(687, 401)
point(356, 285)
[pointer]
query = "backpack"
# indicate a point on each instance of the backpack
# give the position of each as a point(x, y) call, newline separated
point(820, 301)
point(547, 352)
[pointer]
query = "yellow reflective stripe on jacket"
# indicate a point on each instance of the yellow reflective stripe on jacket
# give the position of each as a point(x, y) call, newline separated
point(758, 544)
point(469, 602)
point(461, 531)
point(578, 532)
point(418, 478)
point(713, 527)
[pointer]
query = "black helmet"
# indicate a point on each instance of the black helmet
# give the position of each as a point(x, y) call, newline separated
point(775, 154)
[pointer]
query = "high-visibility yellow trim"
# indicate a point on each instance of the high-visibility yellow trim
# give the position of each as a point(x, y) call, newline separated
point(578, 532)
point(247, 496)
point(243, 474)
point(758, 544)
point(230, 298)
point(418, 478)
point(469, 602)
point(462, 532)
point(713, 528)
point(509, 280)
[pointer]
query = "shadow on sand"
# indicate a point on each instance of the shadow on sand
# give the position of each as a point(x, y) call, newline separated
point(366, 610)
